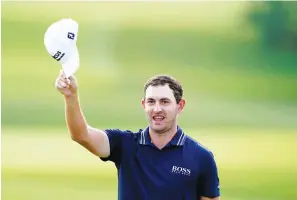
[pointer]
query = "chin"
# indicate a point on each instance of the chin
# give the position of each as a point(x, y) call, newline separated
point(158, 128)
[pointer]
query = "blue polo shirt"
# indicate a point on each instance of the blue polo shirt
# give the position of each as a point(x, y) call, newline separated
point(182, 170)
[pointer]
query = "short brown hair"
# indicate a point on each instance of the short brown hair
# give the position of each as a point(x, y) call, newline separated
point(163, 80)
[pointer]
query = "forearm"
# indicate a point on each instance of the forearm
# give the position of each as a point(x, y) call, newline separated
point(75, 120)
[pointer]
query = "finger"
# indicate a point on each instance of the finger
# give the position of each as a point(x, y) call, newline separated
point(60, 84)
point(62, 74)
point(66, 81)
point(62, 79)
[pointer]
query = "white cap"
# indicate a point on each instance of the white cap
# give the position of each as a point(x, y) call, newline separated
point(60, 42)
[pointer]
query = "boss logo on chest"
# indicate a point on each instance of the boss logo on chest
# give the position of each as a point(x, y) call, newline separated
point(181, 170)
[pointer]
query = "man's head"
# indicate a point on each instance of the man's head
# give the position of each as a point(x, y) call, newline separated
point(162, 102)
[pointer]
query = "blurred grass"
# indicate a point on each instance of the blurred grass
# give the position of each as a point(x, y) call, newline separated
point(241, 100)
point(130, 14)
point(219, 66)
point(46, 164)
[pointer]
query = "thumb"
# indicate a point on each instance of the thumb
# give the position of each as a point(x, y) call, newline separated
point(72, 82)
point(71, 78)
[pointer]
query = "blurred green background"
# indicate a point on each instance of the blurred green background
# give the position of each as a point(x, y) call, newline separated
point(237, 64)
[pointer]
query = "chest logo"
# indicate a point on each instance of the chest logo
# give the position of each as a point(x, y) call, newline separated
point(181, 170)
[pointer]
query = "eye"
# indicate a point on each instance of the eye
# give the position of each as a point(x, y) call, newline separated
point(150, 101)
point(165, 102)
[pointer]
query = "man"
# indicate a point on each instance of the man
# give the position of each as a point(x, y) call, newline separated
point(159, 162)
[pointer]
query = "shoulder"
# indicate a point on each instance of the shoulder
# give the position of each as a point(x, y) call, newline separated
point(204, 156)
point(198, 148)
point(123, 133)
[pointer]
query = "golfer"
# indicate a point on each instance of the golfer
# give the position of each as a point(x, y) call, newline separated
point(158, 162)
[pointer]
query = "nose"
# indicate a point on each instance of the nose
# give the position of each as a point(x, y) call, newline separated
point(157, 108)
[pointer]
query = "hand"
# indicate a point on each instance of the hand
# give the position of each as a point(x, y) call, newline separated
point(66, 86)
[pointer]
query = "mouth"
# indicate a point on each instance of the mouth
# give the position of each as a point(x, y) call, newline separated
point(158, 118)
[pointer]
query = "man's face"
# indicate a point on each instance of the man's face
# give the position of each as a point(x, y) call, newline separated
point(161, 108)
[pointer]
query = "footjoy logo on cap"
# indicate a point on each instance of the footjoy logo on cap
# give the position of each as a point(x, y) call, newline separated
point(71, 35)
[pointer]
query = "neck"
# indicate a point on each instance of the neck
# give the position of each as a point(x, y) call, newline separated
point(161, 139)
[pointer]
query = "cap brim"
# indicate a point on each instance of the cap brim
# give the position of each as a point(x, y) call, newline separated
point(72, 64)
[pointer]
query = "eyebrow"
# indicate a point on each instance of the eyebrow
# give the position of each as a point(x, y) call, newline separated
point(162, 99)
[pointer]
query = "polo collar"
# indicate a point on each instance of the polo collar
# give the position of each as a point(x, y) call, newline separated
point(177, 140)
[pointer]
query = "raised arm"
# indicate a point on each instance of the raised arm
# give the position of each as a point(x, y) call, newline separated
point(95, 140)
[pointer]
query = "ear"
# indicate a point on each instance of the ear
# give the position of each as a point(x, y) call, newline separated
point(143, 103)
point(181, 105)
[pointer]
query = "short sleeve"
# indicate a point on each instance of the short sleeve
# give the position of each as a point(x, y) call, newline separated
point(115, 137)
point(209, 184)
